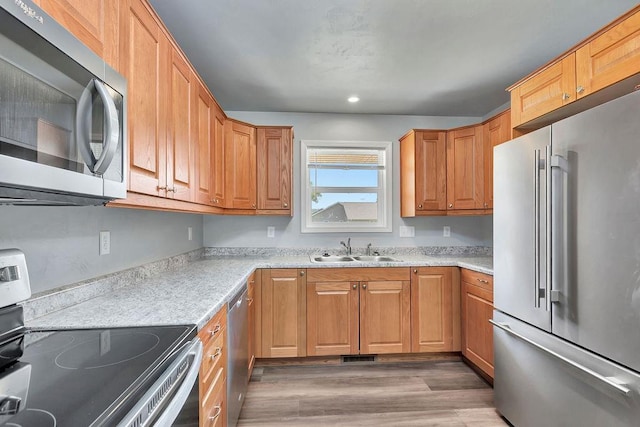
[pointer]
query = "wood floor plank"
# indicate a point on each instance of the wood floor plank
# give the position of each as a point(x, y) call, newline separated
point(443, 392)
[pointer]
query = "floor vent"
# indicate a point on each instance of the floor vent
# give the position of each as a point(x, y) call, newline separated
point(360, 359)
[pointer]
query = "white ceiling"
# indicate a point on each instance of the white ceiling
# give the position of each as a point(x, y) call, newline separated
point(417, 57)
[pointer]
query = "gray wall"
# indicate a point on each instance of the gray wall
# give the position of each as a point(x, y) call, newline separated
point(61, 243)
point(252, 231)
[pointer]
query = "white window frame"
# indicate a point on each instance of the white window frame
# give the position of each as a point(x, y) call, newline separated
point(385, 200)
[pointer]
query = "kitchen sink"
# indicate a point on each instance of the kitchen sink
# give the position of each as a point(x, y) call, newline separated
point(347, 259)
point(375, 258)
point(331, 258)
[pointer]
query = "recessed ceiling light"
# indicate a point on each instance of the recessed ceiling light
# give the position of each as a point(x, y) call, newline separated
point(353, 99)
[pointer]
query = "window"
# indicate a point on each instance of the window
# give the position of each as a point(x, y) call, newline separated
point(346, 186)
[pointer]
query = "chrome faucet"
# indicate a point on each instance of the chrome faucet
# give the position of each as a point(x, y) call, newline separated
point(368, 249)
point(347, 245)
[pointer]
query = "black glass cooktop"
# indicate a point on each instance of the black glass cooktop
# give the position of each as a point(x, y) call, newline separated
point(84, 377)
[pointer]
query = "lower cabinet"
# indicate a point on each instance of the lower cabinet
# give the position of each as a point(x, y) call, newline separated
point(283, 312)
point(251, 321)
point(435, 309)
point(358, 311)
point(213, 371)
point(477, 309)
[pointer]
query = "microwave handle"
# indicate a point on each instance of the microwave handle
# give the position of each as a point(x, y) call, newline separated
point(112, 129)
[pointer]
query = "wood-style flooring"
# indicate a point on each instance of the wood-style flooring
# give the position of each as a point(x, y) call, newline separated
point(431, 393)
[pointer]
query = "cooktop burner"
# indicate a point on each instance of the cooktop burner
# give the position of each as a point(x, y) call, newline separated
point(110, 348)
point(81, 377)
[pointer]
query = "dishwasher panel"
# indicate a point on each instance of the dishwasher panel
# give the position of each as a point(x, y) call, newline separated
point(238, 356)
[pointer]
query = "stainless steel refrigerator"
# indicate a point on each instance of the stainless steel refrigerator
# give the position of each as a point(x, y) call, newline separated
point(567, 271)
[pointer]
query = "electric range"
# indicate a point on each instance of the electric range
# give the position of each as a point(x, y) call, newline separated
point(133, 376)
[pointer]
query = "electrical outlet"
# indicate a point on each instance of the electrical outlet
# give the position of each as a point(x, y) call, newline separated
point(271, 231)
point(105, 243)
point(407, 231)
point(190, 233)
point(446, 231)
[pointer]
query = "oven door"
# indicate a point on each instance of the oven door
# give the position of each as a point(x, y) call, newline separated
point(163, 402)
point(61, 122)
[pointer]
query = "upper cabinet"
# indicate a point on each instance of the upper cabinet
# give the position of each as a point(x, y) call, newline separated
point(465, 168)
point(218, 173)
point(274, 170)
point(450, 172)
point(204, 145)
point(546, 91)
point(240, 165)
point(95, 24)
point(494, 132)
point(610, 59)
point(423, 173)
point(143, 53)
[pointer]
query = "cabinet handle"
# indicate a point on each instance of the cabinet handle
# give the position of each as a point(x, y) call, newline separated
point(286, 205)
point(419, 206)
point(364, 286)
point(161, 187)
point(302, 272)
point(486, 205)
point(171, 190)
point(217, 353)
point(249, 300)
point(218, 409)
point(565, 96)
point(450, 205)
point(483, 281)
point(415, 271)
point(215, 329)
point(354, 286)
point(580, 89)
point(253, 205)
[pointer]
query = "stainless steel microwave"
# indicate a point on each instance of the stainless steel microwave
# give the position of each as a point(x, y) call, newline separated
point(62, 115)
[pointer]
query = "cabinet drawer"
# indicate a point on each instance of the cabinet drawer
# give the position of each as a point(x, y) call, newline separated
point(214, 408)
point(214, 327)
point(481, 280)
point(213, 362)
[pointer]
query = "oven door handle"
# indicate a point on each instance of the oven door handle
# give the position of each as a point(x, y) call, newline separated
point(83, 128)
point(153, 399)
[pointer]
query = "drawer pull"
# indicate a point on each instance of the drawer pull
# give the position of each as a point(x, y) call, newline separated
point(218, 409)
point(483, 281)
point(215, 329)
point(217, 353)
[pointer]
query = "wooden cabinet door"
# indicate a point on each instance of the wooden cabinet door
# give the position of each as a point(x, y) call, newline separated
point(496, 131)
point(144, 49)
point(204, 132)
point(423, 173)
point(385, 324)
point(434, 308)
point(431, 171)
point(477, 310)
point(180, 140)
point(332, 318)
point(218, 162)
point(95, 23)
point(251, 319)
point(548, 90)
point(465, 164)
point(284, 314)
point(240, 165)
point(609, 58)
point(274, 163)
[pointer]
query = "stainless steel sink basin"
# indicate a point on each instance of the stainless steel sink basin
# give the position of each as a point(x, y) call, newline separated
point(357, 258)
point(331, 258)
point(375, 258)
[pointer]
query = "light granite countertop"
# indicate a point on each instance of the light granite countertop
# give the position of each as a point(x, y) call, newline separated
point(193, 293)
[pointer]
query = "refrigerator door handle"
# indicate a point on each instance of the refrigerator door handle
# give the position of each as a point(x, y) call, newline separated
point(536, 228)
point(610, 385)
point(548, 229)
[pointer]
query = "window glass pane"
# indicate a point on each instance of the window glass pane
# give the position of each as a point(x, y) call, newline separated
point(343, 178)
point(344, 207)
